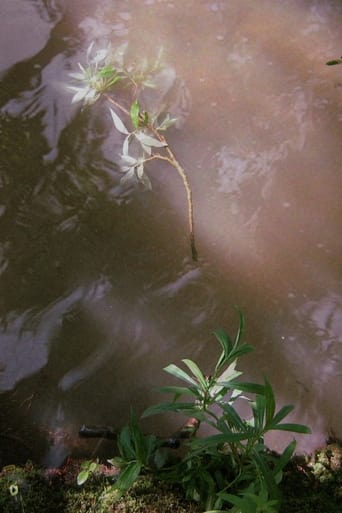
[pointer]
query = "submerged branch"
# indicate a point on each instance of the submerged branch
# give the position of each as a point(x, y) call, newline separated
point(174, 162)
point(171, 159)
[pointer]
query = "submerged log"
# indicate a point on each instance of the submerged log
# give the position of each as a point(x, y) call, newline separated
point(188, 430)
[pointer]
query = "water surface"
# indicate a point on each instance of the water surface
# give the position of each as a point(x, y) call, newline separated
point(98, 289)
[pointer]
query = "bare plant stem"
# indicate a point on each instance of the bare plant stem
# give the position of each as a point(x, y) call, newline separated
point(171, 159)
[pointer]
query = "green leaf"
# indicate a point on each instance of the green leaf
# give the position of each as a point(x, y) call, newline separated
point(241, 350)
point(82, 477)
point(117, 462)
point(185, 408)
point(295, 428)
point(179, 391)
point(193, 367)
point(134, 113)
point(228, 374)
point(125, 445)
point(233, 417)
point(242, 504)
point(128, 476)
point(285, 457)
point(282, 413)
point(113, 81)
point(251, 388)
point(180, 374)
point(334, 62)
point(93, 466)
point(259, 407)
point(271, 484)
point(240, 329)
point(139, 441)
point(269, 402)
point(106, 71)
point(215, 440)
point(225, 342)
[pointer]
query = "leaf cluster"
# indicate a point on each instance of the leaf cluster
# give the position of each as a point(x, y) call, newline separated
point(137, 453)
point(334, 62)
point(233, 461)
point(231, 467)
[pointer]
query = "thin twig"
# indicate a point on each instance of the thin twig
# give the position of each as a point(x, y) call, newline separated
point(116, 104)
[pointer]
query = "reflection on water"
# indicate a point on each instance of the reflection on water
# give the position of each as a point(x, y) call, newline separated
point(98, 291)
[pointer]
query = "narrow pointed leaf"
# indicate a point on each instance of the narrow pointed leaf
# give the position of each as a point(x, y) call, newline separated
point(178, 390)
point(285, 457)
point(125, 146)
point(240, 329)
point(252, 388)
point(118, 123)
point(269, 402)
point(148, 140)
point(215, 440)
point(166, 407)
point(224, 340)
point(233, 417)
point(180, 374)
point(241, 350)
point(81, 92)
point(282, 413)
point(268, 475)
point(294, 428)
point(193, 367)
point(128, 476)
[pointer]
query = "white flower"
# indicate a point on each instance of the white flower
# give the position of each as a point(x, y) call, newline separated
point(93, 83)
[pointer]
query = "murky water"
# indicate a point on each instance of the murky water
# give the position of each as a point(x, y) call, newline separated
point(98, 290)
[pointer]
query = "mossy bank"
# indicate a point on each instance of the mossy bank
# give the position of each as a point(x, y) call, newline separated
point(311, 484)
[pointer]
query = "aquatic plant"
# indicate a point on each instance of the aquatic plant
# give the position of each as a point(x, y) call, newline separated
point(334, 62)
point(231, 465)
point(108, 71)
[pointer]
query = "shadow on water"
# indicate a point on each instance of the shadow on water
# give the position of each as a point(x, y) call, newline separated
point(98, 290)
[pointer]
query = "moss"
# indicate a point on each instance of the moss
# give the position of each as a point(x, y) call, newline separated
point(311, 484)
point(56, 490)
point(34, 492)
point(150, 496)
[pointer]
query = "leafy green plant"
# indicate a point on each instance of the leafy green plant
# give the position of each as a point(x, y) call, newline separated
point(232, 465)
point(88, 468)
point(137, 453)
point(334, 62)
point(108, 71)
